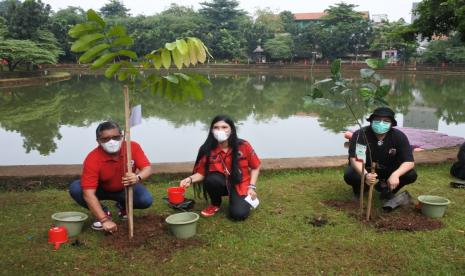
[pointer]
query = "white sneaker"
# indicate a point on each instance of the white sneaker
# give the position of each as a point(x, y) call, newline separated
point(97, 225)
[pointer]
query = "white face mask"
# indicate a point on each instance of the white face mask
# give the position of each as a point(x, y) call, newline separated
point(111, 146)
point(221, 135)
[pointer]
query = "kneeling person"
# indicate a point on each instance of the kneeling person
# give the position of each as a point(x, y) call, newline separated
point(103, 177)
point(390, 149)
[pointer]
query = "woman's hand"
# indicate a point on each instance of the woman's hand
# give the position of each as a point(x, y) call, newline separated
point(252, 193)
point(186, 182)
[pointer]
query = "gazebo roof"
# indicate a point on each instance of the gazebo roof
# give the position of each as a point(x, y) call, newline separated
point(258, 49)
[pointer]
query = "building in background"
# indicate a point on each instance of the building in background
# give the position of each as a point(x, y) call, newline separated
point(379, 18)
point(414, 6)
point(307, 18)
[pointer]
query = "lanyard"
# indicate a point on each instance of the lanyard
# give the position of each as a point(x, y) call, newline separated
point(227, 173)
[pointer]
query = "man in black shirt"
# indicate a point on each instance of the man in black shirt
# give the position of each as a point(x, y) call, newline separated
point(389, 148)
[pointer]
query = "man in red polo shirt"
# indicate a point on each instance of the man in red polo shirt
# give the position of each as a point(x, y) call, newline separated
point(103, 177)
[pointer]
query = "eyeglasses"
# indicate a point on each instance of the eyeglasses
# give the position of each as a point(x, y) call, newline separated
point(106, 139)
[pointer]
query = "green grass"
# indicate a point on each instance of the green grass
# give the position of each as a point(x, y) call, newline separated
point(276, 239)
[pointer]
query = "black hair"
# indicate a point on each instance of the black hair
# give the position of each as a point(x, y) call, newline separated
point(211, 143)
point(106, 126)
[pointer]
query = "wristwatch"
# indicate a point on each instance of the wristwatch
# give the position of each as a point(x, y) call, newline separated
point(139, 177)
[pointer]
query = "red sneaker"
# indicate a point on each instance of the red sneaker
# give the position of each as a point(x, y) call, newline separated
point(210, 211)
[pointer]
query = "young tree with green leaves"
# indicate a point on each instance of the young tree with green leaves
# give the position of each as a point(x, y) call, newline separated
point(103, 45)
point(107, 47)
point(371, 92)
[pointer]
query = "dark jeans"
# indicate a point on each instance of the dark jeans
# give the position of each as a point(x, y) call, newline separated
point(142, 197)
point(352, 178)
point(215, 185)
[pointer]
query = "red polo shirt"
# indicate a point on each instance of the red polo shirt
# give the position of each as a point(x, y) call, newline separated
point(247, 160)
point(101, 168)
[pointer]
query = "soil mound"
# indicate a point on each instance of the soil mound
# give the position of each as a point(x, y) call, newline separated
point(402, 219)
point(151, 234)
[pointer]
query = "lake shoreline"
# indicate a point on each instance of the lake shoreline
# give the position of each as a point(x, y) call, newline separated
point(34, 177)
point(259, 68)
point(54, 76)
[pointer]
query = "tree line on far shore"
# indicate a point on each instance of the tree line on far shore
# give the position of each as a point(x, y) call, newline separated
point(31, 33)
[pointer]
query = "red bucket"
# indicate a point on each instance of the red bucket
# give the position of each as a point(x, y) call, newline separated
point(176, 195)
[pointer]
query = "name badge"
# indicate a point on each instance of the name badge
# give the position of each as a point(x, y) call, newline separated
point(360, 152)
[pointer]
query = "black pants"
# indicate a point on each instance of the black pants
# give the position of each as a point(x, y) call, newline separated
point(352, 178)
point(215, 185)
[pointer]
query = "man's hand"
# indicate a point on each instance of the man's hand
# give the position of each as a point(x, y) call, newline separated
point(370, 178)
point(109, 226)
point(252, 193)
point(393, 181)
point(130, 179)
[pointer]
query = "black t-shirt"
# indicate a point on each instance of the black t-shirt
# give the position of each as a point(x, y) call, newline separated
point(458, 168)
point(389, 153)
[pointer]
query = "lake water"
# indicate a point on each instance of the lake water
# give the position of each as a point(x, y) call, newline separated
point(55, 123)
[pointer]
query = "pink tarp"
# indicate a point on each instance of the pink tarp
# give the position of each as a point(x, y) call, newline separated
point(428, 139)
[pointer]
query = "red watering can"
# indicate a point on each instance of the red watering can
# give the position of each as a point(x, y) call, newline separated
point(57, 236)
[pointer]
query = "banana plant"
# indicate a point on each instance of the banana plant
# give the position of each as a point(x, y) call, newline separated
point(107, 47)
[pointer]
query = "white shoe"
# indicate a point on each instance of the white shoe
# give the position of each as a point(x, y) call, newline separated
point(97, 225)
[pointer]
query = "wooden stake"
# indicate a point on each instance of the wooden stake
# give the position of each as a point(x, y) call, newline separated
point(362, 188)
point(370, 193)
point(128, 190)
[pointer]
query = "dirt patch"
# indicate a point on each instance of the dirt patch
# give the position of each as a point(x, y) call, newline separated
point(151, 234)
point(317, 221)
point(403, 219)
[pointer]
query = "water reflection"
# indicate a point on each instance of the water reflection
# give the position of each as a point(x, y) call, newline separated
point(39, 113)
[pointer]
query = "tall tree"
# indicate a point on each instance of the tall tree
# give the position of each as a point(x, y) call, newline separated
point(289, 24)
point(114, 8)
point(60, 23)
point(24, 19)
point(280, 47)
point(3, 28)
point(16, 52)
point(439, 51)
point(222, 29)
point(343, 31)
point(440, 17)
point(395, 35)
point(5, 5)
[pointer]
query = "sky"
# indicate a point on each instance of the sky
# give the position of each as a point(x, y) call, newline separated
point(395, 9)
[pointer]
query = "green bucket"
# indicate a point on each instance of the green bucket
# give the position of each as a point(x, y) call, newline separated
point(73, 221)
point(433, 206)
point(183, 225)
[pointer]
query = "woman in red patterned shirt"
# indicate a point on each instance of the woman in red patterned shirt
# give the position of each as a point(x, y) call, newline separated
point(226, 165)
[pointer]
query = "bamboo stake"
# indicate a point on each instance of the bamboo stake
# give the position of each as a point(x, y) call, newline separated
point(370, 193)
point(362, 188)
point(129, 189)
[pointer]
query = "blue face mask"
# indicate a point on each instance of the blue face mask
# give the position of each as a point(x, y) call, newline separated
point(380, 127)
